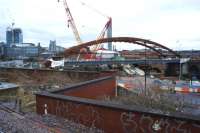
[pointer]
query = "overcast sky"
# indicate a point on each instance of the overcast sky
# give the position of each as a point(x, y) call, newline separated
point(173, 23)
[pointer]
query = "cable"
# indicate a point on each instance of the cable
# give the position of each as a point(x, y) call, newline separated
point(94, 9)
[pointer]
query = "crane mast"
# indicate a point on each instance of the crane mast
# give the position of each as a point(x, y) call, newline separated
point(71, 22)
point(107, 27)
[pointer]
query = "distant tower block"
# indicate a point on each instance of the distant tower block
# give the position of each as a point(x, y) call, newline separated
point(109, 35)
point(52, 46)
point(14, 36)
point(9, 35)
point(18, 35)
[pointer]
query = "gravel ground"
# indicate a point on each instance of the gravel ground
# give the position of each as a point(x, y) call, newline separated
point(63, 125)
point(32, 123)
point(11, 123)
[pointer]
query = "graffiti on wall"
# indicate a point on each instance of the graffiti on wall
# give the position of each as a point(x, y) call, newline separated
point(128, 121)
point(134, 123)
point(89, 116)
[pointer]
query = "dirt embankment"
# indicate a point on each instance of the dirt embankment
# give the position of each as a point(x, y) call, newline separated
point(39, 77)
point(31, 82)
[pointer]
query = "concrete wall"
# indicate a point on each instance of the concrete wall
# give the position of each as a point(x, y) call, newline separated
point(188, 70)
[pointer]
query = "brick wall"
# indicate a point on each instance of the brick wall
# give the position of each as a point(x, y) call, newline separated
point(93, 89)
point(75, 105)
point(114, 118)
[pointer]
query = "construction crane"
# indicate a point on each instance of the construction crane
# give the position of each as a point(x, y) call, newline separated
point(107, 27)
point(71, 22)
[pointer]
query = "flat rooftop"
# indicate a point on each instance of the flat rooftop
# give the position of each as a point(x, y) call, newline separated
point(6, 86)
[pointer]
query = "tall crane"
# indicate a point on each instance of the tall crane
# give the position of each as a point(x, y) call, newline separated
point(107, 28)
point(71, 22)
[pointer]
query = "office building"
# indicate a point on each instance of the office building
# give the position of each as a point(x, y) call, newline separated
point(25, 50)
point(14, 36)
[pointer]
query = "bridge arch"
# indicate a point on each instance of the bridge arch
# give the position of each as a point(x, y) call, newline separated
point(139, 41)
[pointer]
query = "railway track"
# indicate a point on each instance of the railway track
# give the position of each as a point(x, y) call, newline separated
point(38, 123)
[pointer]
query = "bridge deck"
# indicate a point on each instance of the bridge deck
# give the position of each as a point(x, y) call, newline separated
point(132, 61)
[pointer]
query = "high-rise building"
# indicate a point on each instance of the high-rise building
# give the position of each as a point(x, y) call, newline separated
point(18, 36)
point(9, 36)
point(52, 46)
point(14, 36)
point(109, 35)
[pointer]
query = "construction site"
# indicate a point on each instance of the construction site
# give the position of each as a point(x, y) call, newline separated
point(90, 88)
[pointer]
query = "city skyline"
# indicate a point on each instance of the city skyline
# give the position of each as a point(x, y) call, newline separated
point(171, 23)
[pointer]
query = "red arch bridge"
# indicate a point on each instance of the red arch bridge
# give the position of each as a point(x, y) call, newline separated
point(162, 50)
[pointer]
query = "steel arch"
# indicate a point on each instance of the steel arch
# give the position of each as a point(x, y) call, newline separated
point(139, 41)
